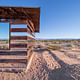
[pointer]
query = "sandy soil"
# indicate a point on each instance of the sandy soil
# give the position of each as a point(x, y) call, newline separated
point(49, 65)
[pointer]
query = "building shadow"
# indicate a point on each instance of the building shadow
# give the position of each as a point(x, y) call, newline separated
point(70, 55)
point(66, 72)
point(12, 65)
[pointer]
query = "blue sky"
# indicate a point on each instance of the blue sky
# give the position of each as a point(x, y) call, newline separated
point(59, 18)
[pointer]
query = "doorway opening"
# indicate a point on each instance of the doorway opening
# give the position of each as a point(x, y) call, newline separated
point(4, 36)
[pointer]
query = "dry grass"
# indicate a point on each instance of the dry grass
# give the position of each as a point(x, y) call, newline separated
point(4, 47)
point(54, 47)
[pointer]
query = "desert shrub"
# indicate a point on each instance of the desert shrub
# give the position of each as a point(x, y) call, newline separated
point(7, 41)
point(54, 47)
point(30, 40)
point(4, 47)
point(68, 45)
point(40, 46)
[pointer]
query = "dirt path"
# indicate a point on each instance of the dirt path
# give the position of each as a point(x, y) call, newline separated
point(47, 65)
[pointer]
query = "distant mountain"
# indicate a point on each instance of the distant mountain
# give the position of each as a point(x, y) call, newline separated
point(4, 39)
point(57, 39)
point(49, 39)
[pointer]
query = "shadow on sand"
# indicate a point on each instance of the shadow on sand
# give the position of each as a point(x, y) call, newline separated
point(14, 65)
point(70, 55)
point(66, 72)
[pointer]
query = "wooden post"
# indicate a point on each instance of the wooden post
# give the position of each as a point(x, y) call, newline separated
point(9, 34)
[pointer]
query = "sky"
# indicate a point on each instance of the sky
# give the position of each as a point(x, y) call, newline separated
point(58, 18)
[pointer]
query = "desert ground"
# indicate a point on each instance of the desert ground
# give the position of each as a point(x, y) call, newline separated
point(51, 60)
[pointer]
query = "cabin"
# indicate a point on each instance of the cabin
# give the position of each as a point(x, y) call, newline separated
point(18, 16)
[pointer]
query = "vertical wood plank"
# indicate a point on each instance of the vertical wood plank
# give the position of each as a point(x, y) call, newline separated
point(9, 35)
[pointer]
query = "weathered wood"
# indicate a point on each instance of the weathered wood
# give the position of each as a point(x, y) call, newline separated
point(18, 22)
point(30, 38)
point(18, 38)
point(18, 30)
point(13, 57)
point(9, 34)
point(29, 45)
point(12, 60)
point(29, 53)
point(18, 45)
point(21, 13)
point(21, 38)
point(21, 30)
point(5, 21)
point(29, 26)
point(29, 50)
point(30, 33)
point(12, 52)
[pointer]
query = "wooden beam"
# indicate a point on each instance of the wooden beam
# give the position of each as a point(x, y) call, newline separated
point(18, 45)
point(29, 26)
point(29, 53)
point(18, 22)
point(9, 35)
point(18, 30)
point(31, 23)
point(5, 21)
point(12, 60)
point(21, 38)
point(21, 30)
point(29, 45)
point(29, 50)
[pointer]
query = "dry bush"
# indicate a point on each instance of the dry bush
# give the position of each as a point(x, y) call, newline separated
point(40, 46)
point(54, 47)
point(4, 47)
point(69, 45)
